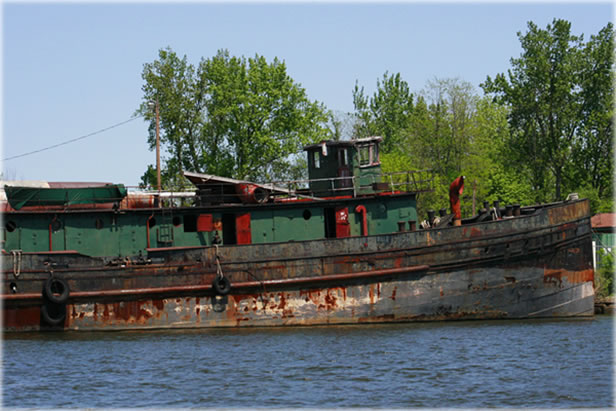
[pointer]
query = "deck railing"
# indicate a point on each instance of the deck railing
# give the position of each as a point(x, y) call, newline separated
point(398, 182)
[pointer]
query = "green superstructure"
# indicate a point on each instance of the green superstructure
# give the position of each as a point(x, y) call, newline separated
point(330, 207)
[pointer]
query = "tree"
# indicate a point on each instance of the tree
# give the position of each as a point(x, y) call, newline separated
point(170, 82)
point(594, 150)
point(341, 125)
point(604, 277)
point(451, 132)
point(441, 131)
point(229, 116)
point(553, 96)
point(387, 113)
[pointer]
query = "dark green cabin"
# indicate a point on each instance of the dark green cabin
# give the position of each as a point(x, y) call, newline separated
point(339, 168)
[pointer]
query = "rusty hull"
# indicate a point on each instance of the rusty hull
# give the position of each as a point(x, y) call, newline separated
point(531, 266)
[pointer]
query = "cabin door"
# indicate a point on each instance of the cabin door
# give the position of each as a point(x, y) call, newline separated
point(242, 224)
point(228, 229)
point(343, 227)
point(343, 169)
point(330, 222)
point(337, 222)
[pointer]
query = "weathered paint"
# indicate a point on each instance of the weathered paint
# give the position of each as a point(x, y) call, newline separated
point(393, 301)
point(105, 232)
point(516, 268)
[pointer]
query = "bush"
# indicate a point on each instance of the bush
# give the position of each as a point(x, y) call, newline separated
point(604, 276)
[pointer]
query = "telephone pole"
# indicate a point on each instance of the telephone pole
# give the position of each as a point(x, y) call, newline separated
point(157, 114)
point(157, 147)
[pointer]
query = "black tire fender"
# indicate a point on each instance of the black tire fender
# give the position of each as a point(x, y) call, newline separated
point(56, 290)
point(53, 314)
point(221, 285)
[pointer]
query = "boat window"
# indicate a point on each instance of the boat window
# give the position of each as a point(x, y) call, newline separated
point(316, 159)
point(307, 214)
point(364, 155)
point(55, 225)
point(343, 158)
point(10, 226)
point(369, 155)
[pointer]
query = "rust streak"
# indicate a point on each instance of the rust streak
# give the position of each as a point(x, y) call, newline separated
point(330, 301)
point(283, 301)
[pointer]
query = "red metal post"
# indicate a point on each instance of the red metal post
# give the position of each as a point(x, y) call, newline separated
point(364, 219)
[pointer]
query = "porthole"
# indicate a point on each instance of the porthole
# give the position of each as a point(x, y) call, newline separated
point(151, 222)
point(177, 221)
point(307, 214)
point(56, 225)
point(10, 226)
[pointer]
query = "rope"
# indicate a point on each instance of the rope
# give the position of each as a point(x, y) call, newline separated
point(220, 274)
point(258, 279)
point(16, 262)
point(264, 300)
point(218, 267)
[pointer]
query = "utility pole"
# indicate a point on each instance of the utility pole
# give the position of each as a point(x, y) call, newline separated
point(157, 147)
point(474, 194)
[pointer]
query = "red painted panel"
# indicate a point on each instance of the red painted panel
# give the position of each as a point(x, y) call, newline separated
point(343, 228)
point(205, 223)
point(242, 228)
point(21, 318)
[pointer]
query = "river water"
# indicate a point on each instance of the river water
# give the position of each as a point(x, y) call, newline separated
point(535, 363)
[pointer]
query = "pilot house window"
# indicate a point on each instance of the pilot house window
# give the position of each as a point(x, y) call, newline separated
point(368, 155)
point(343, 159)
point(316, 159)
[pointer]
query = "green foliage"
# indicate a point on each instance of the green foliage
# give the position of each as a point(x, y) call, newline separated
point(598, 203)
point(508, 188)
point(229, 116)
point(434, 200)
point(444, 131)
point(457, 133)
point(559, 95)
point(454, 132)
point(604, 279)
point(593, 150)
point(387, 113)
point(396, 162)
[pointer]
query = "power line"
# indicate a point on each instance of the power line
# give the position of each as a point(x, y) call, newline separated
point(75, 139)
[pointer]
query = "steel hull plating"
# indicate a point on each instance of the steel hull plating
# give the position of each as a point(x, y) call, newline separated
point(525, 267)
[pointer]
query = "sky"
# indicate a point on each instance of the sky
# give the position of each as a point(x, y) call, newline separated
point(72, 69)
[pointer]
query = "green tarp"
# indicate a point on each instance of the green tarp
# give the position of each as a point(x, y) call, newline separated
point(19, 197)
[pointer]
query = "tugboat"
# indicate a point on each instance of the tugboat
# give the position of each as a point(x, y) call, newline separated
point(345, 246)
